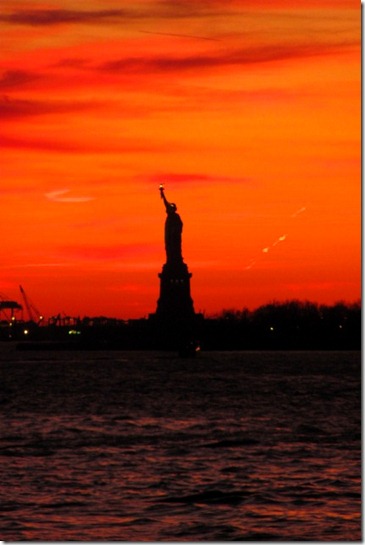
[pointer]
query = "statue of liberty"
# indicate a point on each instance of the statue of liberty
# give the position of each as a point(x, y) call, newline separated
point(175, 315)
point(173, 231)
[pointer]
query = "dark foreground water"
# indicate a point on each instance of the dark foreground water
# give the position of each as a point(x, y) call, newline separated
point(119, 446)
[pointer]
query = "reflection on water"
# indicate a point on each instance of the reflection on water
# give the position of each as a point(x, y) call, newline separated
point(147, 447)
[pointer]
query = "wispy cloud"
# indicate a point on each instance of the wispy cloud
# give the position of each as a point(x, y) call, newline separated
point(82, 146)
point(198, 61)
point(191, 177)
point(13, 108)
point(43, 144)
point(178, 35)
point(62, 195)
point(139, 11)
point(50, 17)
point(186, 5)
point(160, 9)
point(17, 78)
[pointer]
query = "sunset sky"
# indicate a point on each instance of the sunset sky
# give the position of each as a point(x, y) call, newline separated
point(247, 110)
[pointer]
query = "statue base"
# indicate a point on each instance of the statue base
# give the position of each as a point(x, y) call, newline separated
point(175, 302)
point(175, 322)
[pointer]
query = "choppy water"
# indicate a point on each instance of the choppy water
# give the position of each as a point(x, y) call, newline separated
point(120, 446)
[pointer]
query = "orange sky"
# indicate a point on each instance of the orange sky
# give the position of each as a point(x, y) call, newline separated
point(248, 111)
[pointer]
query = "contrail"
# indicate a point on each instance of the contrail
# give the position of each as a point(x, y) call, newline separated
point(300, 211)
point(278, 240)
point(191, 36)
point(57, 196)
point(251, 264)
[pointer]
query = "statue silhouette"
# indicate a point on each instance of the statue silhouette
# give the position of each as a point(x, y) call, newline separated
point(175, 316)
point(173, 231)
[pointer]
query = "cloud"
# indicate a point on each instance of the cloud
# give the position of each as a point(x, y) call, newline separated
point(84, 146)
point(13, 108)
point(192, 6)
point(59, 196)
point(167, 9)
point(177, 35)
point(196, 62)
point(140, 11)
point(184, 178)
point(50, 17)
point(17, 78)
point(73, 62)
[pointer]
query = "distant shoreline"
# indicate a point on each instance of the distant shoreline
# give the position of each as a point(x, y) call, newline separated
point(292, 325)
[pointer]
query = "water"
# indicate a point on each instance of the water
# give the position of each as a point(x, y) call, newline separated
point(140, 446)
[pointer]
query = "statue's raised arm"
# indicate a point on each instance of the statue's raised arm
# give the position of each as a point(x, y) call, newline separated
point(166, 202)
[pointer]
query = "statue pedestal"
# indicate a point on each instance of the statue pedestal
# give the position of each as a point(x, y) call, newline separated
point(174, 319)
point(175, 303)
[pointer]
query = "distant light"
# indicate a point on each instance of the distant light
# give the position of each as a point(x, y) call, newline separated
point(13, 318)
point(74, 332)
point(26, 331)
point(271, 328)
